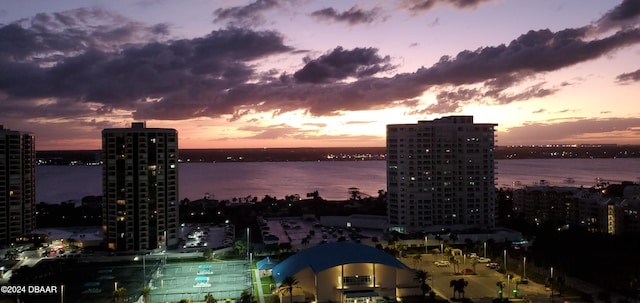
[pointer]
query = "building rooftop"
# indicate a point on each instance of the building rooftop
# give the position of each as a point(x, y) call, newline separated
point(325, 256)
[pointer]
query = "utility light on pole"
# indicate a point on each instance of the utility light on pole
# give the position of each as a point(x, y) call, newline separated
point(505, 261)
point(426, 245)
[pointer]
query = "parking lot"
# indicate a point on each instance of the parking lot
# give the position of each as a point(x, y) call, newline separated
point(481, 285)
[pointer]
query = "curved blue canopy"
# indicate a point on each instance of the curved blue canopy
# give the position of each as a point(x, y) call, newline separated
point(325, 256)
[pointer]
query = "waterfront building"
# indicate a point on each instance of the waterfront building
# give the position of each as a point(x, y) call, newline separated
point(346, 272)
point(17, 185)
point(440, 175)
point(140, 187)
point(593, 209)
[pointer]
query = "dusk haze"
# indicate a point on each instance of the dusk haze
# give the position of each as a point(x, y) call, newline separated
point(270, 74)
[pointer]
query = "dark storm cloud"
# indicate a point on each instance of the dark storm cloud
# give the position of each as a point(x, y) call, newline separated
point(499, 70)
point(352, 16)
point(425, 5)
point(214, 75)
point(47, 36)
point(340, 64)
point(248, 15)
point(629, 77)
point(625, 15)
point(533, 52)
point(164, 80)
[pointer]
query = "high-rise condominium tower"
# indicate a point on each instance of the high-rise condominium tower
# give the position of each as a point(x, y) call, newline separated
point(440, 174)
point(17, 185)
point(140, 187)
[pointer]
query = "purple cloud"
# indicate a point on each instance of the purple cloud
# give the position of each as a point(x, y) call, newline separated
point(352, 16)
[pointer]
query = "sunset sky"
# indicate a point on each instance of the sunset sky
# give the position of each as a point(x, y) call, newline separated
point(276, 73)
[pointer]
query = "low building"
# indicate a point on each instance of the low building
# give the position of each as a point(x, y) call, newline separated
point(346, 272)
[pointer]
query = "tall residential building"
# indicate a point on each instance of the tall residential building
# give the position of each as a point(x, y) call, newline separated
point(440, 174)
point(17, 185)
point(140, 187)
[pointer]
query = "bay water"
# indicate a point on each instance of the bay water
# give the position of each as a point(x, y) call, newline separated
point(332, 179)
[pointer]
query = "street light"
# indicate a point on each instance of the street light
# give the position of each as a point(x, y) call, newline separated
point(144, 270)
point(524, 267)
point(505, 261)
point(485, 249)
point(426, 245)
point(551, 282)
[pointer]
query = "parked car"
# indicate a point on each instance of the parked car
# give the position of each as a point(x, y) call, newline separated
point(441, 263)
point(484, 260)
point(493, 265)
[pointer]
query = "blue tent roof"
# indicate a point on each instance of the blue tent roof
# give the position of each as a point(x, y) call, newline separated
point(266, 264)
point(325, 256)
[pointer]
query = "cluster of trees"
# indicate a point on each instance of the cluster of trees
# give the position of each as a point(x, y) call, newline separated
point(88, 213)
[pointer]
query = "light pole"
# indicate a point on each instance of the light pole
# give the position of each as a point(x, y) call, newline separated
point(485, 249)
point(144, 270)
point(426, 245)
point(551, 282)
point(247, 244)
point(524, 267)
point(62, 293)
point(505, 261)
point(442, 249)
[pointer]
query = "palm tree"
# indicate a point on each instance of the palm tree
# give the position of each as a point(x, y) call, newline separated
point(145, 294)
point(422, 277)
point(516, 281)
point(456, 265)
point(207, 253)
point(287, 286)
point(501, 285)
point(240, 246)
point(474, 261)
point(416, 259)
point(556, 283)
point(208, 298)
point(119, 294)
point(452, 284)
point(461, 284)
point(246, 297)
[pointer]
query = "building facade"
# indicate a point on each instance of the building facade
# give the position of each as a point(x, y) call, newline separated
point(140, 187)
point(440, 174)
point(346, 272)
point(17, 185)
